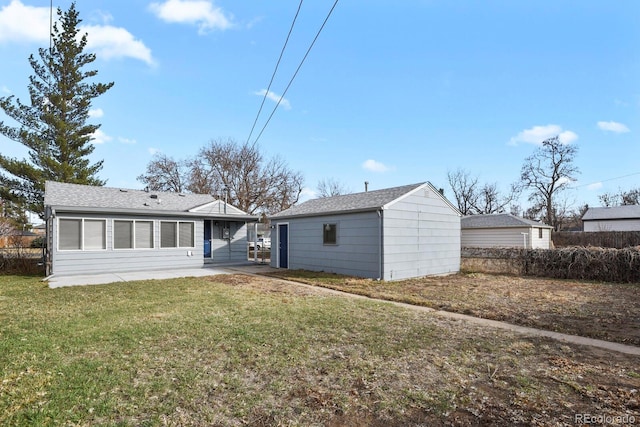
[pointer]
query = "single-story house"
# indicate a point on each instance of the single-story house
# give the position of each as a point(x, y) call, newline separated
point(390, 234)
point(616, 218)
point(504, 231)
point(101, 229)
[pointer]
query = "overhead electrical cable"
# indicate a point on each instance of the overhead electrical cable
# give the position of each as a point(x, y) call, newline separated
point(296, 73)
point(266, 93)
point(606, 180)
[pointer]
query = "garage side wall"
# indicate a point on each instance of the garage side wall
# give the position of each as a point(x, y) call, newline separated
point(356, 251)
point(109, 260)
point(421, 237)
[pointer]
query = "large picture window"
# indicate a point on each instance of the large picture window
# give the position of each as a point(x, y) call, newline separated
point(177, 234)
point(132, 234)
point(329, 234)
point(82, 234)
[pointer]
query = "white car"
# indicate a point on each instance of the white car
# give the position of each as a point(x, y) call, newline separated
point(263, 242)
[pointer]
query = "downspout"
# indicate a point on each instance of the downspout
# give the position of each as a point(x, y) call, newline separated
point(380, 243)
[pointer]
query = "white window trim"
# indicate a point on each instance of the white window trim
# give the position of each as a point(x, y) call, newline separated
point(134, 248)
point(82, 249)
point(177, 222)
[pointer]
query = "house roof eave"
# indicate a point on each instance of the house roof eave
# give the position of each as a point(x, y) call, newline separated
point(149, 212)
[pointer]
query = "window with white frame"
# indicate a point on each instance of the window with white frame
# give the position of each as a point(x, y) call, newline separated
point(82, 234)
point(132, 234)
point(177, 234)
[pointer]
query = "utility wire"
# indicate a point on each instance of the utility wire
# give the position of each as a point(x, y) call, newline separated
point(605, 180)
point(296, 73)
point(264, 98)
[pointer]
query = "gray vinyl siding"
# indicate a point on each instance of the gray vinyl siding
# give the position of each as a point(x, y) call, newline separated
point(229, 250)
point(612, 225)
point(507, 237)
point(355, 253)
point(69, 262)
point(421, 237)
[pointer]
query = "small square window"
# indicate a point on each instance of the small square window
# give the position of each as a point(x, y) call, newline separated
point(329, 234)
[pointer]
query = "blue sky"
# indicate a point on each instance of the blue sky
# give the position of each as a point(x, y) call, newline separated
point(393, 92)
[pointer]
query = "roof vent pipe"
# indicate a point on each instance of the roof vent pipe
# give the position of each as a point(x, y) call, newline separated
point(366, 186)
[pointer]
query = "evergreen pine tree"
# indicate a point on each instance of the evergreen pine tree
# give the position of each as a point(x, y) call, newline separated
point(53, 127)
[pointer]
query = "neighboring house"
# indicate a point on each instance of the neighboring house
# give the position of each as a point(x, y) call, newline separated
point(616, 218)
point(14, 238)
point(504, 231)
point(102, 229)
point(389, 234)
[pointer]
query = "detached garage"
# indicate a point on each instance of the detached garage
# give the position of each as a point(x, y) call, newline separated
point(390, 234)
point(504, 231)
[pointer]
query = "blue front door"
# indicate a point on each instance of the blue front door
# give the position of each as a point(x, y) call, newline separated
point(283, 245)
point(207, 238)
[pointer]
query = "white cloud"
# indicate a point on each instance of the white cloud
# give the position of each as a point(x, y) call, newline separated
point(274, 97)
point(4, 89)
point(307, 193)
point(110, 42)
point(153, 151)
point(537, 134)
point(127, 140)
point(564, 180)
point(594, 186)
point(20, 23)
point(96, 113)
point(99, 137)
point(202, 13)
point(374, 166)
point(613, 127)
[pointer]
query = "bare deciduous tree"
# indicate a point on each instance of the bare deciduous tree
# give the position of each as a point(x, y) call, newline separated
point(621, 198)
point(474, 199)
point(165, 174)
point(237, 172)
point(547, 172)
point(331, 187)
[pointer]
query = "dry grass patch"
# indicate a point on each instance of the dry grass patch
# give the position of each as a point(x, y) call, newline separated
point(237, 350)
point(596, 310)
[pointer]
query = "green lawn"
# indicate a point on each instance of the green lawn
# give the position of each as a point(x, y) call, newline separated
point(235, 350)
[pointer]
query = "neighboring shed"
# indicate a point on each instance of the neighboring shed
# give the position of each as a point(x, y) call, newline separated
point(102, 229)
point(390, 234)
point(504, 231)
point(617, 218)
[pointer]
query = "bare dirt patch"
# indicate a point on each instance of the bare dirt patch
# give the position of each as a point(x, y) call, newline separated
point(596, 310)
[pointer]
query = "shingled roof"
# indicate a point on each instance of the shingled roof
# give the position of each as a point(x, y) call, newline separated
point(498, 221)
point(356, 202)
point(614, 212)
point(62, 195)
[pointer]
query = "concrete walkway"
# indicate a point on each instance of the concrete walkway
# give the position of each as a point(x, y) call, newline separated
point(252, 268)
point(100, 279)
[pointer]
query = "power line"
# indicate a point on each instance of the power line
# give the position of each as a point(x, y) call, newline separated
point(264, 98)
point(606, 180)
point(297, 70)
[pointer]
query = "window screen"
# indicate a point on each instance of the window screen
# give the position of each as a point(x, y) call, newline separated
point(186, 235)
point(70, 234)
point(122, 234)
point(329, 234)
point(144, 234)
point(168, 235)
point(94, 234)
point(539, 233)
